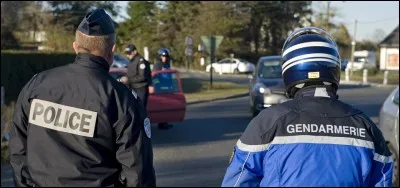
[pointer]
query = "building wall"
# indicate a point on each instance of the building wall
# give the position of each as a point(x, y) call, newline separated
point(389, 59)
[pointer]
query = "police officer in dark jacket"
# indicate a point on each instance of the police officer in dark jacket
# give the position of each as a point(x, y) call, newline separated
point(75, 125)
point(314, 140)
point(139, 73)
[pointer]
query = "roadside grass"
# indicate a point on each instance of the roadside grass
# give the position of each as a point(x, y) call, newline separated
point(7, 112)
point(4, 152)
point(374, 76)
point(198, 90)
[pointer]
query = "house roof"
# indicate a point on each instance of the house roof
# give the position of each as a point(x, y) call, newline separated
point(392, 40)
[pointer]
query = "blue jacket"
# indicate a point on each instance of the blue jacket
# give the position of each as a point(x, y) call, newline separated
point(313, 140)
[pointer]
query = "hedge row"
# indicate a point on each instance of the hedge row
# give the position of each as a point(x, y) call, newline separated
point(17, 68)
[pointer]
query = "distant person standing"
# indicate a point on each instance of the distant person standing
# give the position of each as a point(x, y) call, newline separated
point(163, 61)
point(139, 73)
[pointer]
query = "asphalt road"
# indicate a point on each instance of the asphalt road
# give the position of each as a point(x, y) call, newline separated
point(196, 152)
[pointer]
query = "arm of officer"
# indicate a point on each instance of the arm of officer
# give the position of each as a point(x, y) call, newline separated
point(382, 164)
point(246, 164)
point(134, 151)
point(18, 134)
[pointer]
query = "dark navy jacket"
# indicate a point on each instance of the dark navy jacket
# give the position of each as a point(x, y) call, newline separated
point(312, 140)
point(139, 72)
point(75, 125)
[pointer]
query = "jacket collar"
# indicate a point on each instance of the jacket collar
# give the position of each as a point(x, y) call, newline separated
point(316, 91)
point(92, 61)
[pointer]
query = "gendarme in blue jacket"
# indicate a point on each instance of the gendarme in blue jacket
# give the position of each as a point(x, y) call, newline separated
point(313, 140)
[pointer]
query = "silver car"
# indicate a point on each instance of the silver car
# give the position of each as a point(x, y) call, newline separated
point(266, 86)
point(389, 125)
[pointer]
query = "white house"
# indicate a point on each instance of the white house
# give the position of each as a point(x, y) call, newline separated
point(390, 51)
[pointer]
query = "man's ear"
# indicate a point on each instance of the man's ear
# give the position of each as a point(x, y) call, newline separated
point(75, 46)
point(113, 48)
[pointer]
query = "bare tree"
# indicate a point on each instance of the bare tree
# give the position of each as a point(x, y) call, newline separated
point(378, 36)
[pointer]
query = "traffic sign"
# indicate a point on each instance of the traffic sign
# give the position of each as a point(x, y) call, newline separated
point(189, 41)
point(207, 42)
point(211, 44)
point(189, 52)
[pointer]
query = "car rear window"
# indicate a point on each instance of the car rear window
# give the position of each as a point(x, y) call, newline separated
point(270, 68)
point(396, 98)
point(165, 83)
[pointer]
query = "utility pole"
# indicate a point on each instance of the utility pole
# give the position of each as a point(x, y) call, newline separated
point(353, 46)
point(327, 16)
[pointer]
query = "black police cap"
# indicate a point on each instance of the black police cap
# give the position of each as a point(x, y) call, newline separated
point(97, 23)
point(130, 48)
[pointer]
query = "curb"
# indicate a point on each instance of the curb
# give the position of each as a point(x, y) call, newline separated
point(382, 85)
point(218, 99)
point(207, 73)
point(366, 84)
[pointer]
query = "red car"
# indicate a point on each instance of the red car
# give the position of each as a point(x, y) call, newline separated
point(166, 101)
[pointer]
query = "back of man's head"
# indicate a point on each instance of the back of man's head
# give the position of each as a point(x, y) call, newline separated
point(96, 35)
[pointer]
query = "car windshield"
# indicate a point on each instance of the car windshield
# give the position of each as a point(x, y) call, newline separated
point(165, 83)
point(396, 98)
point(270, 68)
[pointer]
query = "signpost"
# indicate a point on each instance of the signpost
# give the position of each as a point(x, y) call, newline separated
point(211, 44)
point(146, 53)
point(188, 51)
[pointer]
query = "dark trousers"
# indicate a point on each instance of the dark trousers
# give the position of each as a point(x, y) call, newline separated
point(143, 94)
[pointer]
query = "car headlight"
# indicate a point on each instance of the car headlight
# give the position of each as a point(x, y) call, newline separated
point(261, 89)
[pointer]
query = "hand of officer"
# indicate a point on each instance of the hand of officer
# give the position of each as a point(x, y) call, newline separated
point(151, 89)
point(124, 80)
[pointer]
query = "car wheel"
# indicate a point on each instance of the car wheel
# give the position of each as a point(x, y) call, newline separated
point(395, 178)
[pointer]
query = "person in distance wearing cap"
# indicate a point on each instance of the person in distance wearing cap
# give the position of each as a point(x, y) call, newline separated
point(139, 73)
point(75, 125)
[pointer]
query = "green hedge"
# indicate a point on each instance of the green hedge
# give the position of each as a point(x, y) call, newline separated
point(17, 68)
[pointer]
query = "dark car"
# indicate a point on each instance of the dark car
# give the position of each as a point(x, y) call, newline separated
point(343, 64)
point(120, 61)
point(266, 86)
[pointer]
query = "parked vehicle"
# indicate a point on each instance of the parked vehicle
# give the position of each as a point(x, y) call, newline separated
point(363, 60)
point(343, 64)
point(167, 103)
point(120, 61)
point(389, 125)
point(266, 86)
point(231, 65)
